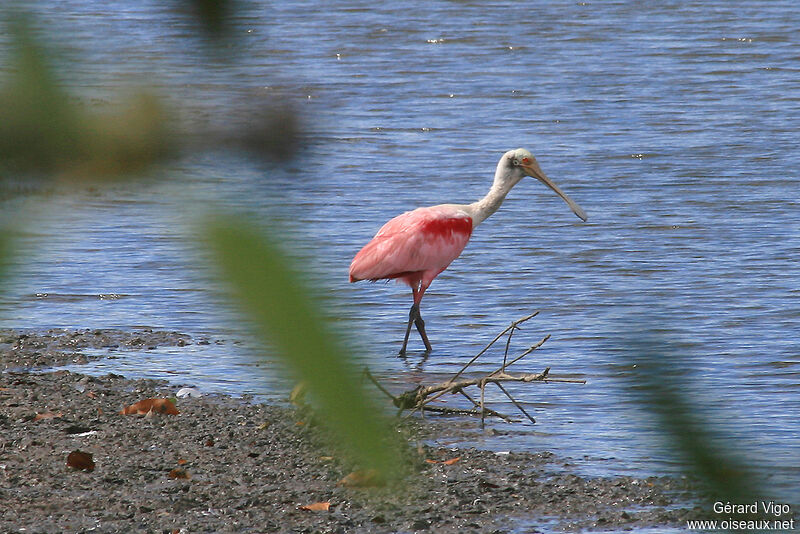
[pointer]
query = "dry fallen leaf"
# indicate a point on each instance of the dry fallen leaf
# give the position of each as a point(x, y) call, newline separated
point(181, 461)
point(361, 478)
point(179, 473)
point(80, 460)
point(451, 461)
point(317, 507)
point(143, 407)
point(47, 415)
point(91, 394)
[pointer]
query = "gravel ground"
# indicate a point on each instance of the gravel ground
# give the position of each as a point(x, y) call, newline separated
point(225, 465)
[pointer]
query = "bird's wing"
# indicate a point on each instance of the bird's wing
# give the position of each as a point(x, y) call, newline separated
point(426, 239)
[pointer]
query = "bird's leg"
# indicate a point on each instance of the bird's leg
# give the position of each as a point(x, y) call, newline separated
point(415, 318)
point(420, 324)
point(412, 315)
point(417, 292)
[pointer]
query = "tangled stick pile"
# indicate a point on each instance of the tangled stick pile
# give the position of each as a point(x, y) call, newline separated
point(419, 398)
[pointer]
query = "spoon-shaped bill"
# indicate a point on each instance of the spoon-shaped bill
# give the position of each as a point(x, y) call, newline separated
point(542, 177)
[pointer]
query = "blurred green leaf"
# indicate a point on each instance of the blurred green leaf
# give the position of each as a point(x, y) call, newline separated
point(213, 15)
point(269, 291)
point(45, 132)
point(39, 128)
point(128, 141)
point(660, 382)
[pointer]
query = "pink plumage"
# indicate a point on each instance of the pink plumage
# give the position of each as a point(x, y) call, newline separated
point(418, 245)
point(414, 247)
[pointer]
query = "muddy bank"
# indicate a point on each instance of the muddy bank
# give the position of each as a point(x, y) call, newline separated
point(224, 465)
point(22, 349)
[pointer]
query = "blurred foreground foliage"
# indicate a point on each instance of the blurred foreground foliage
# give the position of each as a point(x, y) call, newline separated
point(212, 16)
point(5, 255)
point(658, 381)
point(269, 290)
point(46, 133)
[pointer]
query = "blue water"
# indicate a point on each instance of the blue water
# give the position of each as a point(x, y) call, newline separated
point(673, 125)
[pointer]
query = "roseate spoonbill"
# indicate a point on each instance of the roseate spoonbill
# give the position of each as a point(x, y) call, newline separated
point(417, 245)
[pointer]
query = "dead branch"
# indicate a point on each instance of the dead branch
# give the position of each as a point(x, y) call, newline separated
point(419, 398)
point(446, 410)
point(454, 387)
point(514, 325)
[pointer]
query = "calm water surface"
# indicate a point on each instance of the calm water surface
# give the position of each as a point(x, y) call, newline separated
point(674, 126)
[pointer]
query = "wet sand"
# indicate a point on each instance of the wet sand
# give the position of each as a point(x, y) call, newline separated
point(227, 465)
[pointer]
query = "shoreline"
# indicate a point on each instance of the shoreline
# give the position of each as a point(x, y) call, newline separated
point(228, 465)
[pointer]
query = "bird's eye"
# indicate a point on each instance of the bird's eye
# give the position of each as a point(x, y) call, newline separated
point(516, 162)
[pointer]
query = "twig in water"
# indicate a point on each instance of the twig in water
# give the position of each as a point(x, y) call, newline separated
point(514, 325)
point(518, 405)
point(418, 398)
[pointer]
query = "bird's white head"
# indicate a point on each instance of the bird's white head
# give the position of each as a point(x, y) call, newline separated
point(516, 164)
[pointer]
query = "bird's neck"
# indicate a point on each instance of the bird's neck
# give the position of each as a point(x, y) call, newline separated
point(483, 208)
